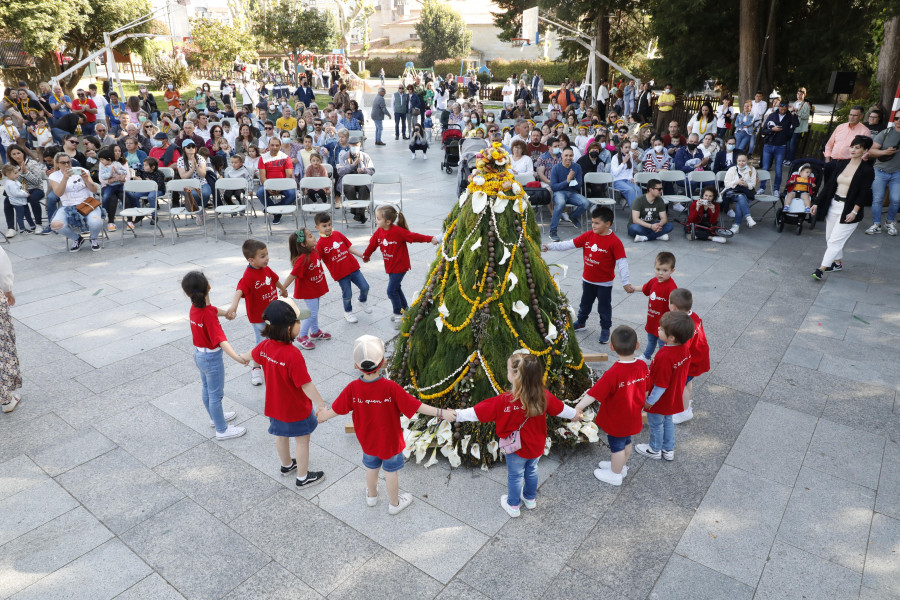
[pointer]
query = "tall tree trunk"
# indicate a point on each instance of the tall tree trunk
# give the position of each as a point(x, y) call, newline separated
point(750, 37)
point(888, 72)
point(601, 69)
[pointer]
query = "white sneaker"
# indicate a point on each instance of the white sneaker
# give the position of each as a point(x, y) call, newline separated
point(664, 237)
point(351, 318)
point(370, 501)
point(735, 228)
point(718, 239)
point(414, 156)
point(256, 376)
point(424, 157)
point(668, 455)
point(396, 318)
point(678, 207)
point(231, 432)
point(404, 500)
point(645, 450)
point(366, 308)
point(10, 233)
point(640, 238)
point(681, 417)
point(565, 217)
point(875, 228)
point(891, 229)
point(229, 416)
point(608, 477)
point(730, 214)
point(512, 511)
point(529, 504)
point(750, 222)
point(607, 466)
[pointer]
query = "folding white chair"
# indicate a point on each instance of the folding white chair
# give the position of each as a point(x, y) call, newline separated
point(767, 197)
point(677, 178)
point(237, 184)
point(271, 188)
point(180, 185)
point(605, 179)
point(357, 180)
point(702, 179)
point(309, 207)
point(642, 177)
point(138, 186)
point(720, 181)
point(380, 179)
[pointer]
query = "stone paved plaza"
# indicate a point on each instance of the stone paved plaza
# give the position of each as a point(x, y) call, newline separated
point(785, 485)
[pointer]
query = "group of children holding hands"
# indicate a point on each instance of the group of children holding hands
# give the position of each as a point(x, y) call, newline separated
point(658, 385)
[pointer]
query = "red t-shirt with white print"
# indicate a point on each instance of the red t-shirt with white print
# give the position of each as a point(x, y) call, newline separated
point(392, 242)
point(206, 331)
point(508, 414)
point(309, 276)
point(259, 289)
point(600, 255)
point(699, 348)
point(621, 392)
point(377, 406)
point(658, 304)
point(669, 370)
point(335, 253)
point(285, 372)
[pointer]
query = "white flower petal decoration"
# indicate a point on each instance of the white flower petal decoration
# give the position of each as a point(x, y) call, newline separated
point(445, 449)
point(591, 432)
point(463, 197)
point(513, 280)
point(551, 333)
point(506, 255)
point(404, 422)
point(484, 468)
point(442, 309)
point(547, 445)
point(519, 206)
point(563, 268)
point(521, 351)
point(563, 432)
point(516, 188)
point(573, 314)
point(476, 245)
point(478, 180)
point(500, 205)
point(444, 433)
point(492, 447)
point(574, 426)
point(433, 459)
point(475, 451)
point(520, 308)
point(479, 201)
point(439, 323)
point(454, 458)
point(465, 443)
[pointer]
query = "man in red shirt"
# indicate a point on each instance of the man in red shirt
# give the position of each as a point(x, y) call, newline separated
point(160, 147)
point(87, 107)
point(275, 164)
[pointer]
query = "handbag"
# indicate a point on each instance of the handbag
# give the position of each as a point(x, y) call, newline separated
point(512, 442)
point(87, 206)
point(192, 200)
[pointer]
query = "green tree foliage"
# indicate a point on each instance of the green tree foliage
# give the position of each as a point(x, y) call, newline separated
point(76, 26)
point(219, 43)
point(443, 33)
point(286, 24)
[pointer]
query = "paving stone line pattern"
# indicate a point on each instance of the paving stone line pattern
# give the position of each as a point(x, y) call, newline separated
point(786, 484)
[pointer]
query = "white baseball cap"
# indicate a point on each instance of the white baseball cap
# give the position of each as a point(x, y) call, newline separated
point(368, 353)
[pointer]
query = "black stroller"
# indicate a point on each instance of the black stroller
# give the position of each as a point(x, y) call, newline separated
point(796, 214)
point(451, 140)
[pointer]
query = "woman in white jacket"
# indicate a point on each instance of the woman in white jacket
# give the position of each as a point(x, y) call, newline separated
point(740, 182)
point(622, 167)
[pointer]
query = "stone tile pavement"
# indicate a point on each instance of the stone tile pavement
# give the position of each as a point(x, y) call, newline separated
point(786, 483)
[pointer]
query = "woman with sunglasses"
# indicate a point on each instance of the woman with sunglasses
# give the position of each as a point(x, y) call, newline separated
point(74, 187)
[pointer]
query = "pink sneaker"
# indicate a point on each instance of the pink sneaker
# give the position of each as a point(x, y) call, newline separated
point(320, 336)
point(305, 343)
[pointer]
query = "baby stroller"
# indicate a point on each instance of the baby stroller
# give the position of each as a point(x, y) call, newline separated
point(468, 152)
point(796, 214)
point(450, 142)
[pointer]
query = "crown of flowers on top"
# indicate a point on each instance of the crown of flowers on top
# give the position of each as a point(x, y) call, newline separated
point(493, 158)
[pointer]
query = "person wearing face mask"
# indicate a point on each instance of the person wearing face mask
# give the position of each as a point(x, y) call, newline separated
point(725, 159)
point(172, 96)
point(664, 107)
point(622, 168)
point(595, 160)
point(657, 159)
point(162, 151)
point(355, 161)
point(148, 103)
point(690, 158)
point(546, 161)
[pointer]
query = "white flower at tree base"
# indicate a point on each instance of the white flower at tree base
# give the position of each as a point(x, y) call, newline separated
point(513, 280)
point(439, 323)
point(476, 245)
point(500, 205)
point(520, 308)
point(479, 201)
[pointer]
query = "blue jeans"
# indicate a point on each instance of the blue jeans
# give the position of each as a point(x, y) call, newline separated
point(390, 465)
point(742, 140)
point(652, 343)
point(59, 135)
point(257, 331)
point(23, 214)
point(560, 199)
point(662, 432)
point(741, 207)
point(88, 128)
point(212, 376)
point(52, 204)
point(792, 146)
point(775, 153)
point(753, 138)
point(357, 279)
point(94, 222)
point(288, 197)
point(311, 323)
point(603, 295)
point(518, 471)
point(628, 189)
point(379, 126)
point(395, 293)
point(647, 232)
point(892, 181)
point(399, 122)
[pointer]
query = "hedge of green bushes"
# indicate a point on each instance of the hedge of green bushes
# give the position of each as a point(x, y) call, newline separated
point(554, 72)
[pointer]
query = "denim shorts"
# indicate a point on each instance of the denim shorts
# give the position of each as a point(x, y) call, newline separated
point(390, 465)
point(257, 330)
point(294, 429)
point(689, 379)
point(617, 444)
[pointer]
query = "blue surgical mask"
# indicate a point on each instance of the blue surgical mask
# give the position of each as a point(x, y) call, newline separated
point(730, 147)
point(556, 151)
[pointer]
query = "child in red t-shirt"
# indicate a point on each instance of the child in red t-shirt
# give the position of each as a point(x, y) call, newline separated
point(682, 300)
point(523, 410)
point(668, 374)
point(290, 393)
point(336, 250)
point(621, 392)
point(603, 252)
point(209, 343)
point(258, 287)
point(658, 290)
point(308, 277)
point(377, 404)
point(391, 237)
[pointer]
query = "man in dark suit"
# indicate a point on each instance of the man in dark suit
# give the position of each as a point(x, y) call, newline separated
point(645, 102)
point(725, 157)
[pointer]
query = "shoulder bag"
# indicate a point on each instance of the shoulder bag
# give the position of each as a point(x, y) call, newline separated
point(513, 442)
point(87, 206)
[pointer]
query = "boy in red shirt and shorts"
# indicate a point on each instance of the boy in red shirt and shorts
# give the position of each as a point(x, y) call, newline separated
point(377, 404)
point(682, 300)
point(621, 392)
point(658, 289)
point(259, 286)
point(668, 374)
